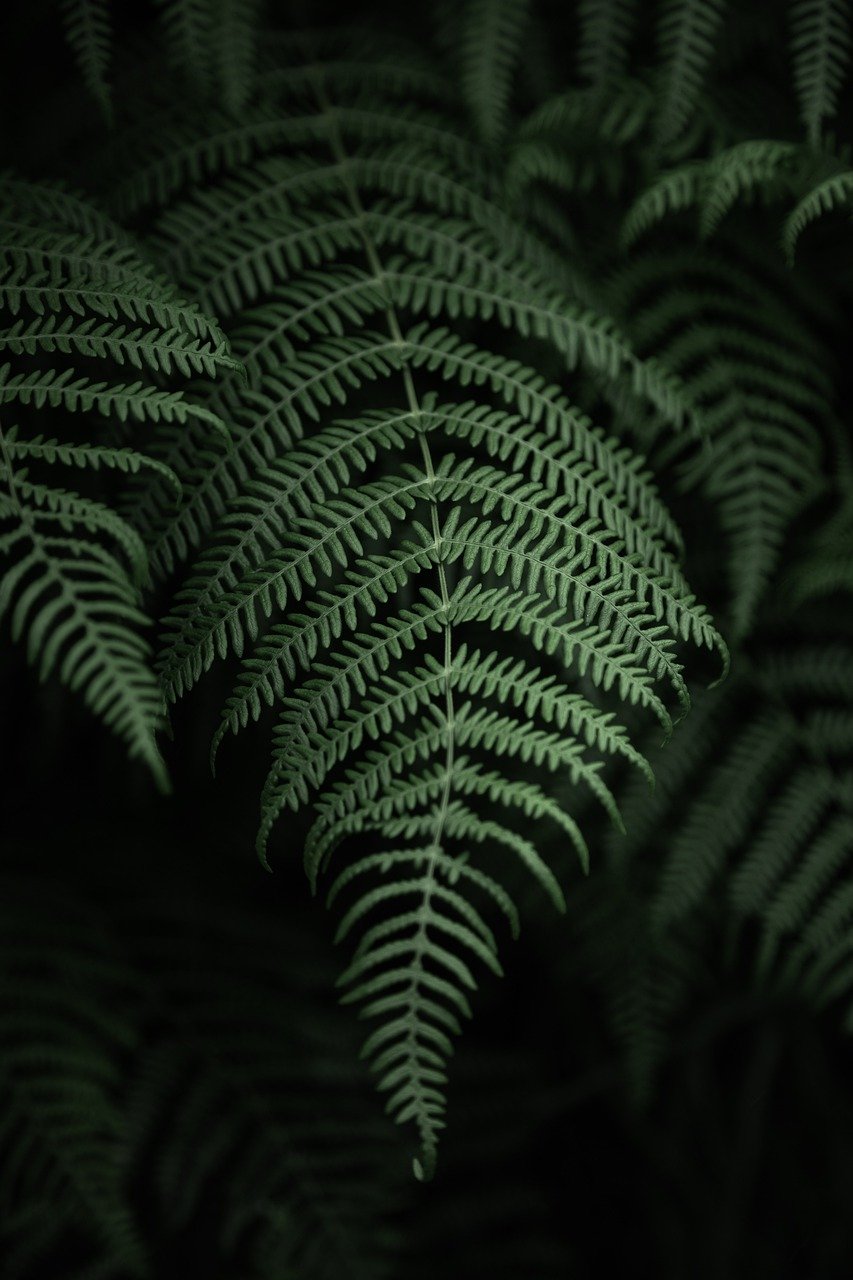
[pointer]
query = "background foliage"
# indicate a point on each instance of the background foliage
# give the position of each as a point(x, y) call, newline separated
point(302, 307)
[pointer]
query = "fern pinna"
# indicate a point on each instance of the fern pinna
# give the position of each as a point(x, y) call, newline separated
point(364, 569)
point(74, 288)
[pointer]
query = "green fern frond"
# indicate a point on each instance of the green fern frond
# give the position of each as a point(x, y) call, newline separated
point(824, 567)
point(489, 47)
point(365, 570)
point(748, 171)
point(186, 28)
point(721, 816)
point(79, 610)
point(820, 47)
point(233, 33)
point(64, 1030)
point(578, 140)
point(85, 456)
point(771, 829)
point(606, 28)
point(53, 204)
point(740, 173)
point(65, 591)
point(828, 195)
point(686, 35)
point(669, 194)
point(751, 369)
point(88, 31)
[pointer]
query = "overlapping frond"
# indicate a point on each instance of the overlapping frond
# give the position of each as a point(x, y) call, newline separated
point(73, 567)
point(753, 366)
point(758, 169)
point(768, 824)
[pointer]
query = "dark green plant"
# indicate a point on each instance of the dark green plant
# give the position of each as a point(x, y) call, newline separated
point(463, 392)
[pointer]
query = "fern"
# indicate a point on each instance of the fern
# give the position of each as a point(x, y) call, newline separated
point(606, 27)
point(686, 34)
point(575, 142)
point(392, 540)
point(61, 1131)
point(830, 193)
point(186, 26)
point(754, 371)
point(73, 566)
point(233, 28)
point(266, 1118)
point(489, 44)
point(391, 504)
point(88, 32)
point(820, 47)
point(757, 169)
point(770, 825)
point(136, 1069)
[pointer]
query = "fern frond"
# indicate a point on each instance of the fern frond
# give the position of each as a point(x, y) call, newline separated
point(771, 829)
point(365, 570)
point(828, 195)
point(721, 817)
point(79, 611)
point(186, 27)
point(756, 169)
point(577, 140)
point(489, 48)
point(820, 47)
point(741, 172)
point(686, 36)
point(45, 203)
point(89, 33)
point(751, 369)
point(64, 1030)
point(160, 351)
point(671, 193)
point(233, 34)
point(606, 28)
point(67, 594)
point(85, 456)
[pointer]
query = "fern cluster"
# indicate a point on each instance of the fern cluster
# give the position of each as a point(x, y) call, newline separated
point(459, 411)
